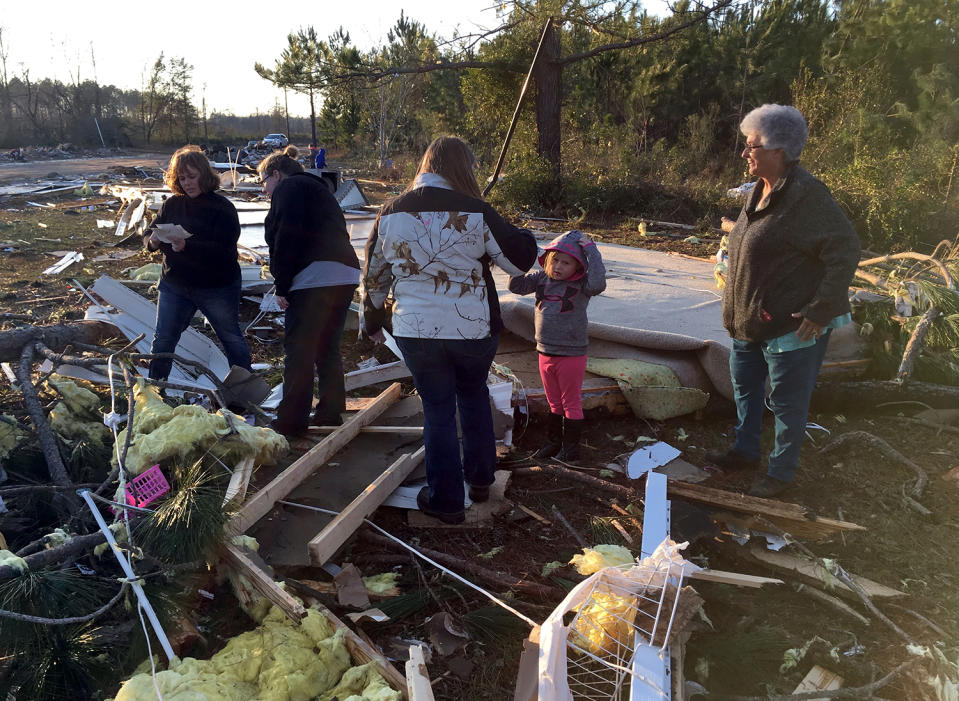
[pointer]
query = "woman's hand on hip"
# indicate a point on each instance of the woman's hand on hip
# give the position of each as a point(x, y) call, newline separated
point(808, 330)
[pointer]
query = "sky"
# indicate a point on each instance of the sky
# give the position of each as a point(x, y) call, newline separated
point(222, 40)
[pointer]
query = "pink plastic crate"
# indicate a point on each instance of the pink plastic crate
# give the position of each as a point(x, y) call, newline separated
point(147, 487)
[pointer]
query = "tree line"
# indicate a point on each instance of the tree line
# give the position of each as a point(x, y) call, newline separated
point(625, 100)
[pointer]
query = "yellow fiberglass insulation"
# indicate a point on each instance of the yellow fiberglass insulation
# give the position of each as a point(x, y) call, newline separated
point(361, 683)
point(278, 661)
point(10, 436)
point(382, 584)
point(150, 271)
point(77, 415)
point(81, 400)
point(191, 429)
point(8, 559)
point(594, 559)
point(149, 410)
point(75, 427)
point(604, 618)
point(161, 432)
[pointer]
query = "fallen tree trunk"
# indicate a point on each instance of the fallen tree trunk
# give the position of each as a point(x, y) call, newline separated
point(56, 337)
point(56, 556)
point(481, 573)
point(866, 394)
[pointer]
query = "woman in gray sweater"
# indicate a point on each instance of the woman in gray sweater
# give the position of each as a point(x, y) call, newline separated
point(792, 255)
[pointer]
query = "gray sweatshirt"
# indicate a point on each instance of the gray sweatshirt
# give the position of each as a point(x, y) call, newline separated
point(560, 316)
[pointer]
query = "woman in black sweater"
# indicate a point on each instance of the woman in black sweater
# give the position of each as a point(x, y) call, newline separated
point(316, 272)
point(200, 270)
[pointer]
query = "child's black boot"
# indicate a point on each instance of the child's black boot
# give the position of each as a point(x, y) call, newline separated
point(554, 437)
point(572, 434)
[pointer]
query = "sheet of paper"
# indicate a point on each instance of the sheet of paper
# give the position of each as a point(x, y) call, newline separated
point(168, 233)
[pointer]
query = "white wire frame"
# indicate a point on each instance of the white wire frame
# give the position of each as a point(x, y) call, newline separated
point(602, 668)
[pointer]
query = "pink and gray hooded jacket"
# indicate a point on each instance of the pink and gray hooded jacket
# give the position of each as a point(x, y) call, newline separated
point(560, 316)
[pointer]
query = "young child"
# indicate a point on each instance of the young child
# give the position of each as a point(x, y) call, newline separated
point(572, 272)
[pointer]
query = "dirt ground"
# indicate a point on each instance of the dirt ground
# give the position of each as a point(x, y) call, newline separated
point(739, 646)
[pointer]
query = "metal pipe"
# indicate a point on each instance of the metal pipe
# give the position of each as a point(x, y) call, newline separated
point(131, 576)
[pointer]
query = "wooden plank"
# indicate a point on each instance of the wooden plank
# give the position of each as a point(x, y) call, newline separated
point(328, 541)
point(791, 514)
point(358, 403)
point(263, 583)
point(742, 580)
point(819, 679)
point(378, 373)
point(363, 653)
point(596, 393)
point(417, 676)
point(239, 481)
point(817, 573)
point(391, 430)
point(288, 480)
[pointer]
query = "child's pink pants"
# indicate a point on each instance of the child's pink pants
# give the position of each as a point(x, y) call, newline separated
point(563, 381)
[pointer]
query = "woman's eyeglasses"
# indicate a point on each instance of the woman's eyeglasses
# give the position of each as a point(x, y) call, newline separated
point(751, 148)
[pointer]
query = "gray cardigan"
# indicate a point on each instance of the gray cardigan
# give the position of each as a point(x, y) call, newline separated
point(796, 253)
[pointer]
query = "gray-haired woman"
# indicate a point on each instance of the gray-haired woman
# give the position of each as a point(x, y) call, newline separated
point(792, 255)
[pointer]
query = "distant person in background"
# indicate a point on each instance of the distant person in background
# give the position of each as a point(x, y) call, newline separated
point(319, 160)
point(573, 271)
point(792, 255)
point(201, 271)
point(311, 158)
point(316, 272)
point(433, 247)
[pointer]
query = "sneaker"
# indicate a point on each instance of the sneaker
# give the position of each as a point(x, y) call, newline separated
point(732, 460)
point(450, 517)
point(768, 487)
point(479, 494)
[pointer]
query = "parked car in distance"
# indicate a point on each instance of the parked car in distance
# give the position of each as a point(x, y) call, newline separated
point(276, 140)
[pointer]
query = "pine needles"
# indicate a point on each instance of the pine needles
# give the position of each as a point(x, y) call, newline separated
point(190, 523)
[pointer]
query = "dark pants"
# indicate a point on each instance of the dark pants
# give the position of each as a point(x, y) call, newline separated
point(451, 374)
point(792, 377)
point(177, 305)
point(311, 340)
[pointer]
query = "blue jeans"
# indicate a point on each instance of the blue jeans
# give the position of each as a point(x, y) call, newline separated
point(176, 306)
point(792, 377)
point(450, 374)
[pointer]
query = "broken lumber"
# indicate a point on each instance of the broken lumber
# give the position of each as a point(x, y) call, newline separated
point(815, 573)
point(239, 481)
point(57, 337)
point(794, 518)
point(288, 480)
point(596, 393)
point(392, 430)
point(417, 676)
point(819, 679)
point(337, 531)
point(378, 373)
point(263, 583)
point(740, 580)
